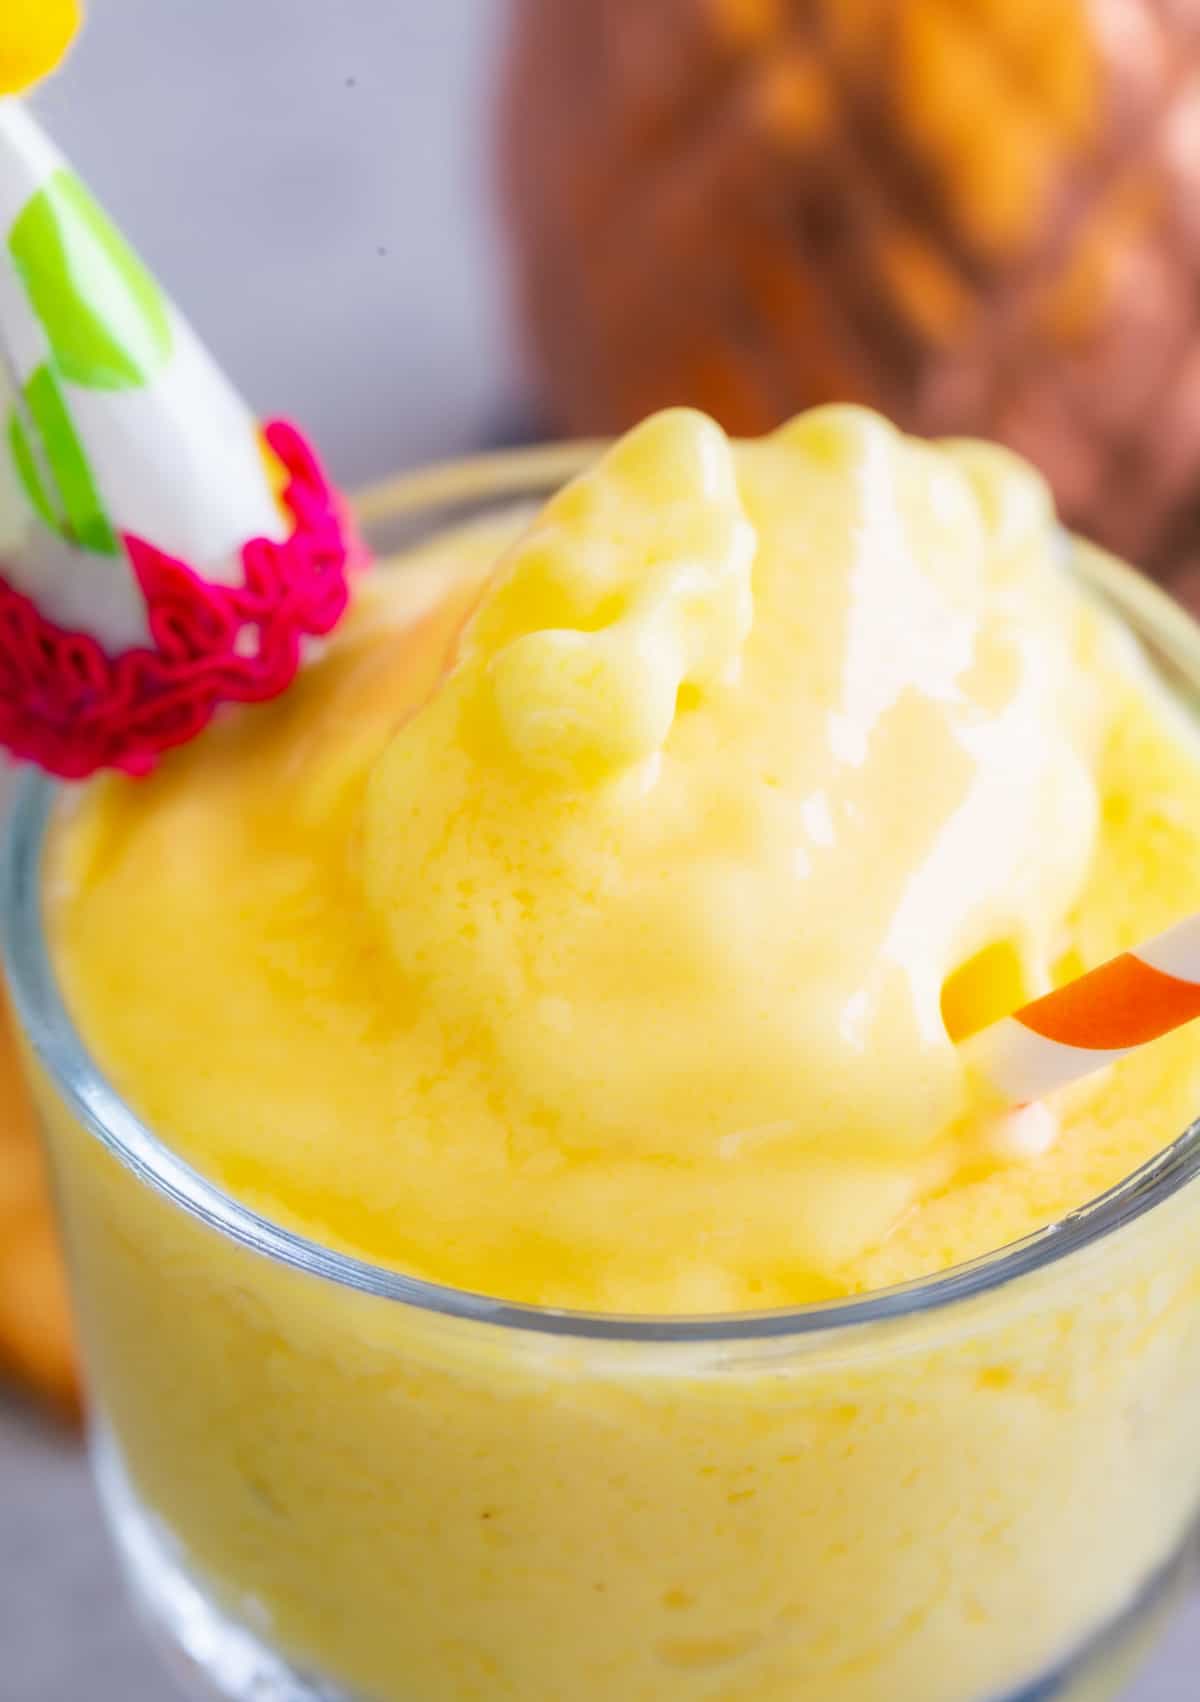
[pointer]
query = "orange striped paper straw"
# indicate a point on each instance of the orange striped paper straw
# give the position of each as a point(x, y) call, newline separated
point(1079, 1028)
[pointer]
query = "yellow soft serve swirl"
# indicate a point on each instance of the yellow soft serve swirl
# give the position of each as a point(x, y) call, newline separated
point(591, 924)
point(696, 856)
point(594, 923)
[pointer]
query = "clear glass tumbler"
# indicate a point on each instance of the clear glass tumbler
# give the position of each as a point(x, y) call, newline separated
point(327, 1480)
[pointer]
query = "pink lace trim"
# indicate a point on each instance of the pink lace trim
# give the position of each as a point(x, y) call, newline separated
point(68, 705)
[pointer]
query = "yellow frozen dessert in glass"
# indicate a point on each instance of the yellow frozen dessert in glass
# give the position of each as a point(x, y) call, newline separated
point(591, 930)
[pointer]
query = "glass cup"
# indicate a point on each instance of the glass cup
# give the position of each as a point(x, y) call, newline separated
point(330, 1481)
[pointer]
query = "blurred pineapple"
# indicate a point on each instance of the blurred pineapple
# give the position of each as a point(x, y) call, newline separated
point(978, 215)
point(37, 1344)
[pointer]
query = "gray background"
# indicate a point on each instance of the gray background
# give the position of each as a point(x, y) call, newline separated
point(310, 178)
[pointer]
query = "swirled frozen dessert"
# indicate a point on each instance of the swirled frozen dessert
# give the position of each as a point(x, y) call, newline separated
point(609, 950)
point(594, 925)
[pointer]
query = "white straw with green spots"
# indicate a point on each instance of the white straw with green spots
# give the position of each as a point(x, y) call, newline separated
point(113, 418)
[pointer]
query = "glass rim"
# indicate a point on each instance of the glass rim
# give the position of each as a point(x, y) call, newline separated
point(98, 1106)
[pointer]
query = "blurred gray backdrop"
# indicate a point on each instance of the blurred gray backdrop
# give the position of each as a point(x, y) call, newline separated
point(310, 178)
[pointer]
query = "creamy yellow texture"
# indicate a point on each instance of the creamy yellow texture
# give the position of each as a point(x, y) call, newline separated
point(600, 951)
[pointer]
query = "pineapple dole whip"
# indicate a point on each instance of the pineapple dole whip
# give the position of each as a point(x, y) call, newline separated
point(592, 926)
